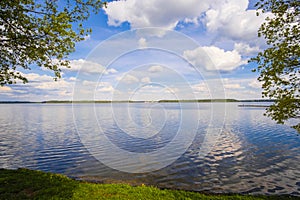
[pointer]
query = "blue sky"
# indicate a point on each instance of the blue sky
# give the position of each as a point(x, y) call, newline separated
point(157, 49)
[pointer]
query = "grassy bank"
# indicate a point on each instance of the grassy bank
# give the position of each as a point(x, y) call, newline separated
point(29, 184)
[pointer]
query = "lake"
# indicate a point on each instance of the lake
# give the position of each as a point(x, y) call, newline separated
point(211, 147)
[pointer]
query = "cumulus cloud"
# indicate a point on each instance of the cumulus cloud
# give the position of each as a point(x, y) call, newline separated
point(200, 87)
point(214, 58)
point(155, 68)
point(106, 89)
point(110, 71)
point(72, 78)
point(154, 13)
point(47, 83)
point(84, 66)
point(232, 19)
point(236, 88)
point(246, 49)
point(89, 83)
point(129, 79)
point(142, 43)
point(88, 67)
point(33, 77)
point(155, 92)
point(5, 89)
point(98, 86)
point(146, 80)
point(233, 86)
point(39, 88)
point(255, 84)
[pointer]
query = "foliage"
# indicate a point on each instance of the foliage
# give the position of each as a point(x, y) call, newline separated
point(279, 64)
point(40, 32)
point(28, 184)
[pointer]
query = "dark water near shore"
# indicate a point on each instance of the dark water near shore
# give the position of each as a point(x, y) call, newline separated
point(164, 145)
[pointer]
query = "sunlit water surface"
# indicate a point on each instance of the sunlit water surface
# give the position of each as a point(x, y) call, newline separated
point(251, 154)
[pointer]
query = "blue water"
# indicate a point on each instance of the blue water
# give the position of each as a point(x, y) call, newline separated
point(202, 147)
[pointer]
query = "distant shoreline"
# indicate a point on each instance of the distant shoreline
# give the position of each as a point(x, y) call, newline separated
point(255, 106)
point(159, 101)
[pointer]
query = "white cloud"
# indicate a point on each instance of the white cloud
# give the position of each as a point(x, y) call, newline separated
point(246, 49)
point(88, 67)
point(105, 89)
point(39, 88)
point(142, 43)
point(146, 80)
point(255, 84)
point(61, 84)
point(172, 90)
point(244, 94)
point(85, 66)
point(227, 18)
point(110, 71)
point(43, 87)
point(129, 79)
point(103, 84)
point(214, 58)
point(33, 77)
point(242, 88)
point(99, 86)
point(236, 88)
point(233, 86)
point(200, 87)
point(89, 83)
point(154, 13)
point(231, 19)
point(5, 89)
point(72, 78)
point(154, 92)
point(88, 90)
point(155, 68)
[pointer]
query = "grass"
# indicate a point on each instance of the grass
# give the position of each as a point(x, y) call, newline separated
point(29, 184)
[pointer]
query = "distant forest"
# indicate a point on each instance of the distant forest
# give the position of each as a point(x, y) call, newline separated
point(124, 101)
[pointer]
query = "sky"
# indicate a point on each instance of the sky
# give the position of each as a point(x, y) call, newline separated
point(157, 49)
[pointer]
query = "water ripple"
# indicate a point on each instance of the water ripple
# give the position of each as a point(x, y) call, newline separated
point(251, 155)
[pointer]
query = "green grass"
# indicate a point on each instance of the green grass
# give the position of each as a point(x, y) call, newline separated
point(29, 184)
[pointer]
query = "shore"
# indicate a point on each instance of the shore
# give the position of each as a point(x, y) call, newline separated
point(31, 184)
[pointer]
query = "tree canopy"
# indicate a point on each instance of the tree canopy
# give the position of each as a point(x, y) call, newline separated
point(42, 33)
point(279, 64)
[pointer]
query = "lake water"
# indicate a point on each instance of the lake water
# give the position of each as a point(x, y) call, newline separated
point(218, 148)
